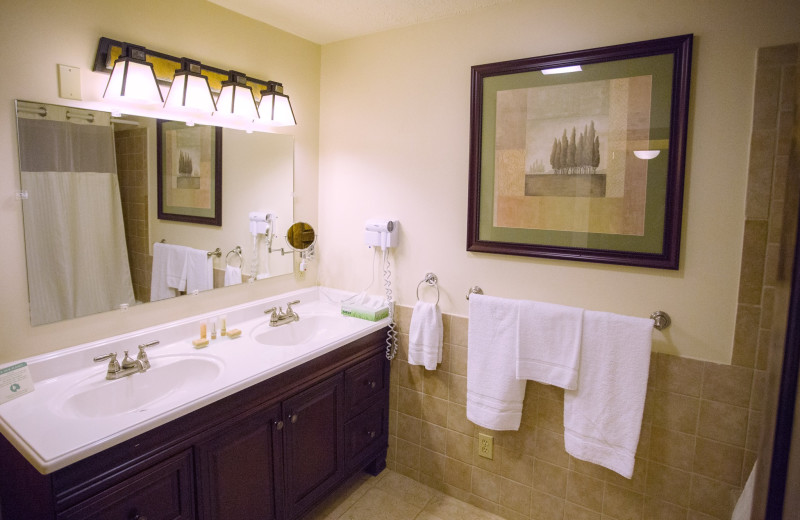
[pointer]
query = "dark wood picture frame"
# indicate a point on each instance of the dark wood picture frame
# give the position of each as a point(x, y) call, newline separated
point(199, 168)
point(665, 66)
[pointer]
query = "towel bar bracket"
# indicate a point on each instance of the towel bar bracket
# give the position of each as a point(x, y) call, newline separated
point(662, 320)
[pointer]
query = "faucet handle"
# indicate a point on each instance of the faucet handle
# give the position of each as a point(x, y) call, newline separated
point(142, 357)
point(289, 305)
point(271, 309)
point(113, 364)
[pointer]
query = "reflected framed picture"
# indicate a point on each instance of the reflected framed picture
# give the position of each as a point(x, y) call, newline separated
point(189, 173)
point(580, 156)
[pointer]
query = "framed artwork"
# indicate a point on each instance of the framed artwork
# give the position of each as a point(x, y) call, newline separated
point(580, 156)
point(189, 173)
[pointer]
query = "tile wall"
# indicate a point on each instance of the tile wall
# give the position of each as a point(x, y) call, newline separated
point(131, 145)
point(702, 420)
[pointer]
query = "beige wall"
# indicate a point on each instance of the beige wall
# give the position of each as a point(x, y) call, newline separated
point(394, 143)
point(36, 36)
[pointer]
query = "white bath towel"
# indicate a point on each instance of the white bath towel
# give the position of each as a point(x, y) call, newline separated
point(549, 343)
point(425, 335)
point(198, 273)
point(494, 394)
point(233, 275)
point(164, 281)
point(603, 417)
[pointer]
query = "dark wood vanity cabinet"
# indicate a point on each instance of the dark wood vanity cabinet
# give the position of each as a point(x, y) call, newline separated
point(271, 451)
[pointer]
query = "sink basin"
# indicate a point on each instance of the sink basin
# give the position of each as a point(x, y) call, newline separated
point(307, 329)
point(169, 378)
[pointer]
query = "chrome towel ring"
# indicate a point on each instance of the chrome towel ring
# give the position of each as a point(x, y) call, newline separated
point(433, 281)
point(235, 251)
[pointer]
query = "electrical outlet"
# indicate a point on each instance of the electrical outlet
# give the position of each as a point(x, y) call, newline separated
point(485, 445)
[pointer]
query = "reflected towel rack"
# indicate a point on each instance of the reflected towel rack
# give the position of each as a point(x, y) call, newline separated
point(235, 251)
point(660, 318)
point(431, 280)
point(217, 252)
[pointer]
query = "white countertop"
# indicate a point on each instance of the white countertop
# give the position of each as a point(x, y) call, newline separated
point(44, 427)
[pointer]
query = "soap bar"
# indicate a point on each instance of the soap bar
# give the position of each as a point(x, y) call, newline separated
point(200, 343)
point(234, 333)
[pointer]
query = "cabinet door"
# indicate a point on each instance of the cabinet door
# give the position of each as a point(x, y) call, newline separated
point(163, 492)
point(238, 472)
point(313, 447)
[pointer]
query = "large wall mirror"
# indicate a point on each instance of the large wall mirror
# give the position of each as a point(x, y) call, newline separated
point(93, 239)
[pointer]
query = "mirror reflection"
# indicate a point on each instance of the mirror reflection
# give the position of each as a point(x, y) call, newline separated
point(301, 236)
point(93, 239)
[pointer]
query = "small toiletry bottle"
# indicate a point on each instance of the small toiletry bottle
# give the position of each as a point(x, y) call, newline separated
point(203, 330)
point(223, 326)
point(212, 325)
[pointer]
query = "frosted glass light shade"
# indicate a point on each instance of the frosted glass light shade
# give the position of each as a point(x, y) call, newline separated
point(133, 81)
point(190, 93)
point(646, 154)
point(236, 99)
point(275, 107)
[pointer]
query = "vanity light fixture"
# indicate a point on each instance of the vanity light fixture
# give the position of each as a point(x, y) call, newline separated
point(133, 79)
point(236, 98)
point(198, 93)
point(190, 92)
point(562, 70)
point(275, 107)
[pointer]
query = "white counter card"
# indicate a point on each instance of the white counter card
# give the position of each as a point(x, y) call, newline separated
point(15, 381)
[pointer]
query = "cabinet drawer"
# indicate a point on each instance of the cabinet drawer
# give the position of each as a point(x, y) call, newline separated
point(363, 381)
point(365, 432)
point(163, 492)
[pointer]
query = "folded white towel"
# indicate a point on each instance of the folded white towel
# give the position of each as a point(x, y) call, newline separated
point(603, 417)
point(425, 335)
point(549, 343)
point(494, 394)
point(198, 273)
point(233, 275)
point(160, 287)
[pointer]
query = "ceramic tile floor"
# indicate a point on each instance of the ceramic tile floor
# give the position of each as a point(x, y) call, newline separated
point(391, 496)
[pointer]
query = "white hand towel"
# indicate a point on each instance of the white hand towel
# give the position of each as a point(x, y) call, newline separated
point(425, 335)
point(494, 394)
point(160, 288)
point(549, 343)
point(176, 265)
point(603, 417)
point(233, 275)
point(198, 274)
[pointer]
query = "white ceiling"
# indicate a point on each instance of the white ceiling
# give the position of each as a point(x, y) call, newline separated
point(326, 21)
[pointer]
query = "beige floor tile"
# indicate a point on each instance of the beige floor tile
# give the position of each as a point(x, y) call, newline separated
point(447, 507)
point(377, 503)
point(404, 488)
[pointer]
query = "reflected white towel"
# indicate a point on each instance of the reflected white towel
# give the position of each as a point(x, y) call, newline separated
point(603, 417)
point(425, 335)
point(549, 343)
point(233, 275)
point(198, 273)
point(494, 394)
point(162, 282)
point(744, 505)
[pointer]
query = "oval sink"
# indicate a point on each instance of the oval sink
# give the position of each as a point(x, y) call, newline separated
point(307, 329)
point(169, 377)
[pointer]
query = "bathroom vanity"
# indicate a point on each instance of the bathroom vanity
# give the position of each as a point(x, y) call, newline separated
point(270, 446)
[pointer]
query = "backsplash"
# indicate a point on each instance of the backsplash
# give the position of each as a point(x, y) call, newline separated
point(699, 438)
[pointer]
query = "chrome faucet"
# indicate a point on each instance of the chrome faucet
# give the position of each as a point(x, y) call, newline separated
point(128, 366)
point(282, 318)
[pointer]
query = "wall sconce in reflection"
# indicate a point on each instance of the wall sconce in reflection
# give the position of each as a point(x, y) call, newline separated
point(191, 89)
point(189, 92)
point(646, 154)
point(133, 79)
